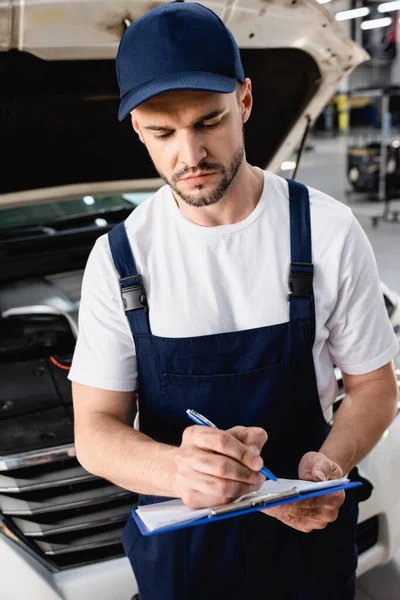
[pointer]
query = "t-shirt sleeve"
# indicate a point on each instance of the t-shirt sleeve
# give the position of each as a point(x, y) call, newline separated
point(104, 354)
point(361, 337)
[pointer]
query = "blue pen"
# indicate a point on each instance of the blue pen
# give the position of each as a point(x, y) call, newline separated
point(200, 420)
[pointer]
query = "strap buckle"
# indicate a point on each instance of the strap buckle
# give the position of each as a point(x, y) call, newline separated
point(301, 282)
point(133, 296)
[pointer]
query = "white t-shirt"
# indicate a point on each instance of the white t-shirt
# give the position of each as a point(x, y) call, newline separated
point(207, 280)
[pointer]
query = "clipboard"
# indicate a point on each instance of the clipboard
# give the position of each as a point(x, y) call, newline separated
point(243, 507)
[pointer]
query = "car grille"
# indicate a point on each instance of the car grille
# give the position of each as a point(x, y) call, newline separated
point(48, 502)
point(367, 534)
point(71, 517)
point(61, 511)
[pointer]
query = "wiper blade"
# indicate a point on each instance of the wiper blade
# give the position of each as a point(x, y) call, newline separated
point(26, 231)
point(64, 224)
point(87, 218)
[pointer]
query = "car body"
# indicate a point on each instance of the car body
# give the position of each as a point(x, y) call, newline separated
point(60, 526)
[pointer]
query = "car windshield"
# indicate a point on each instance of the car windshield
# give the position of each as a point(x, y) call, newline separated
point(46, 213)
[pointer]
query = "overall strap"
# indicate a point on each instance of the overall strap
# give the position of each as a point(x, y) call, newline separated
point(132, 290)
point(301, 296)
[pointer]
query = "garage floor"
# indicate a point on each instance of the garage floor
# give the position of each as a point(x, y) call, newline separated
point(324, 167)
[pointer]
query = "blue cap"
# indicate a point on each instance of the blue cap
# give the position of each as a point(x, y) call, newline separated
point(176, 46)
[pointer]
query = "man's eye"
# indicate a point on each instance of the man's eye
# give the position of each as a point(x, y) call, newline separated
point(168, 134)
point(212, 125)
point(163, 136)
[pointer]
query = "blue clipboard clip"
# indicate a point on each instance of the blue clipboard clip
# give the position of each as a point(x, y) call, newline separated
point(252, 502)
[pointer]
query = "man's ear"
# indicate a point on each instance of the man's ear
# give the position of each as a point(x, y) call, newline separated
point(136, 127)
point(246, 99)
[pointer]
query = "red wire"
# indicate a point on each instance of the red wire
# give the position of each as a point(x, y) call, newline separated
point(59, 365)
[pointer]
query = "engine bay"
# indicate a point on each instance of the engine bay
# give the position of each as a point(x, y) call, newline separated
point(37, 339)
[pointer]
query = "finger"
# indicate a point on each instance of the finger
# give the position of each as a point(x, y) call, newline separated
point(332, 499)
point(335, 499)
point(250, 436)
point(306, 510)
point(217, 465)
point(304, 524)
point(325, 469)
point(195, 499)
point(315, 466)
point(336, 471)
point(222, 442)
point(324, 506)
point(323, 514)
point(327, 500)
point(225, 490)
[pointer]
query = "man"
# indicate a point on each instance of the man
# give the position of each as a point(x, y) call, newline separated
point(205, 298)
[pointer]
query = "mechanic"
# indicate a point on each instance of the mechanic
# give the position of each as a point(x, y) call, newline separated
point(221, 313)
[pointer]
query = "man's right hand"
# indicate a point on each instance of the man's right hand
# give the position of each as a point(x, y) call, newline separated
point(215, 467)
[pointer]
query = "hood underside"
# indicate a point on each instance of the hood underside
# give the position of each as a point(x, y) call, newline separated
point(59, 95)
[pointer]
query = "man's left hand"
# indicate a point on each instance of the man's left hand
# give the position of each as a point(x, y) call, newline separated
point(314, 513)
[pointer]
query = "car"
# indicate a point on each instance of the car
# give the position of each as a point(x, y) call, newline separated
point(70, 173)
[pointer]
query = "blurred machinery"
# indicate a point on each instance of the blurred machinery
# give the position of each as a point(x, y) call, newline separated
point(373, 161)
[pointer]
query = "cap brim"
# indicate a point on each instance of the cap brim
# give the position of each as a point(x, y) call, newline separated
point(205, 82)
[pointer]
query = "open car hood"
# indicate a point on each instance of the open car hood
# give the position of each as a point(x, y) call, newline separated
point(59, 94)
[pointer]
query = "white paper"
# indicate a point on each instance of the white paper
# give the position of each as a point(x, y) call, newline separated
point(174, 512)
point(300, 484)
point(171, 512)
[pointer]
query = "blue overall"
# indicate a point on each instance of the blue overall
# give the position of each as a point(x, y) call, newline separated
point(259, 377)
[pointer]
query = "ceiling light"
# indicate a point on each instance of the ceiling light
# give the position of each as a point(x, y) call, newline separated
point(324, 1)
point(88, 200)
point(375, 23)
point(288, 165)
point(101, 222)
point(388, 6)
point(352, 14)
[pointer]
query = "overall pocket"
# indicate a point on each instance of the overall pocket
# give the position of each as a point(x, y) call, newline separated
point(225, 379)
point(257, 398)
point(229, 399)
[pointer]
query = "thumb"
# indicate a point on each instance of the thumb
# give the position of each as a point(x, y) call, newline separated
point(315, 466)
point(326, 469)
point(320, 472)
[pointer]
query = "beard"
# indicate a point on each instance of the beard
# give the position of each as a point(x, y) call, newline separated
point(213, 196)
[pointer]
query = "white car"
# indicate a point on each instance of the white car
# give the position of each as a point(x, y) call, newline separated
point(71, 172)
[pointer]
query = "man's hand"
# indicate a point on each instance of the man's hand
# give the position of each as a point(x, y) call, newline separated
point(215, 467)
point(314, 513)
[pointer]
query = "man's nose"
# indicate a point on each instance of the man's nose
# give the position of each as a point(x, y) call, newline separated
point(191, 148)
